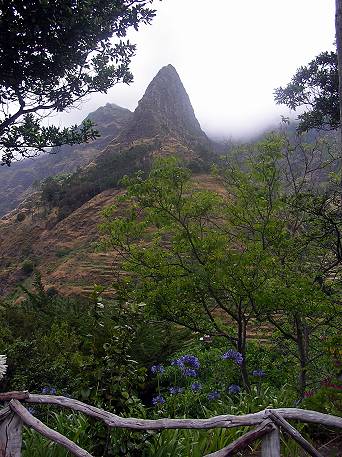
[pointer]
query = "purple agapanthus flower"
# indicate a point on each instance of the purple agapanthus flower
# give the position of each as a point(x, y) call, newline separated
point(214, 395)
point(157, 369)
point(189, 361)
point(234, 389)
point(158, 400)
point(233, 355)
point(196, 386)
point(48, 390)
point(189, 364)
point(176, 390)
point(190, 372)
point(259, 373)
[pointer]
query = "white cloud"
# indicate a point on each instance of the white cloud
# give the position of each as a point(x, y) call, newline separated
point(230, 55)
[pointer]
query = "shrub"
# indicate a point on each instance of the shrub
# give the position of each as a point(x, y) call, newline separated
point(21, 217)
point(27, 266)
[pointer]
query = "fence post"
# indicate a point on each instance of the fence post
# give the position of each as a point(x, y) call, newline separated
point(271, 444)
point(10, 436)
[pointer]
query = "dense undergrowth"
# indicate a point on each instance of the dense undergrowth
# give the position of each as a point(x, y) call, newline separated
point(104, 353)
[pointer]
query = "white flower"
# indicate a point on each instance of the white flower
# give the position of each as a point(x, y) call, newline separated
point(3, 366)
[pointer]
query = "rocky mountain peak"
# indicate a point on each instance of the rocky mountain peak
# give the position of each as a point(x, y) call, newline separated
point(165, 109)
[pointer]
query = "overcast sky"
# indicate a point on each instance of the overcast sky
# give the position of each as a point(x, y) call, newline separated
point(230, 55)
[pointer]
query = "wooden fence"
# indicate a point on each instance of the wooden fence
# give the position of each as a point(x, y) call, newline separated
point(267, 425)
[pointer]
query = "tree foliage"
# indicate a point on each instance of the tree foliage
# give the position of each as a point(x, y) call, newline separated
point(314, 86)
point(52, 54)
point(218, 263)
point(82, 348)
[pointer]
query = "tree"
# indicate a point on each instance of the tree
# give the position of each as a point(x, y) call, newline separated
point(185, 270)
point(279, 213)
point(52, 54)
point(217, 262)
point(315, 86)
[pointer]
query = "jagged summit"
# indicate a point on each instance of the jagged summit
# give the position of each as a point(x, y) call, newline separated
point(57, 224)
point(165, 109)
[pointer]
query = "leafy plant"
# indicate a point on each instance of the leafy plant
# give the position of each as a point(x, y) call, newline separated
point(74, 426)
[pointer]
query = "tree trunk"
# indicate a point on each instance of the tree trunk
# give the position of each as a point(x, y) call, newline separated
point(241, 347)
point(338, 29)
point(303, 348)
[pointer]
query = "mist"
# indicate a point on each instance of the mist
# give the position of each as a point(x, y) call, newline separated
point(230, 56)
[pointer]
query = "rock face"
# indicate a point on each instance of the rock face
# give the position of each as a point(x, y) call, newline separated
point(163, 124)
point(164, 110)
point(16, 181)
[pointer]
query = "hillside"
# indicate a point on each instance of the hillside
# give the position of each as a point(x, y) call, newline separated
point(164, 123)
point(66, 254)
point(55, 228)
point(16, 181)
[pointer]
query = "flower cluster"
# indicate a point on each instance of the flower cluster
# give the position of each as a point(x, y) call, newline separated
point(234, 389)
point(190, 372)
point(158, 400)
point(258, 373)
point(189, 364)
point(48, 390)
point(233, 355)
point(176, 390)
point(3, 366)
point(196, 386)
point(157, 369)
point(214, 395)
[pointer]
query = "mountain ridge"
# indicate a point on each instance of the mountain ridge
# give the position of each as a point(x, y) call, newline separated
point(16, 181)
point(163, 124)
point(54, 229)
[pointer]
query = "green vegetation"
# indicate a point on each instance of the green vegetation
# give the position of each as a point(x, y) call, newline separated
point(27, 266)
point(67, 192)
point(227, 301)
point(219, 265)
point(314, 86)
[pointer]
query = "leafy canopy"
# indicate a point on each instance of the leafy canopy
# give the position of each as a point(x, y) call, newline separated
point(217, 261)
point(314, 86)
point(52, 54)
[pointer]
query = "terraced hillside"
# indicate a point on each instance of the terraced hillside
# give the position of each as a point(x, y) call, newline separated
point(65, 253)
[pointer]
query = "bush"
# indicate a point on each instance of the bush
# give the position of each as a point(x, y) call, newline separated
point(82, 348)
point(216, 383)
point(21, 217)
point(63, 252)
point(27, 266)
point(327, 399)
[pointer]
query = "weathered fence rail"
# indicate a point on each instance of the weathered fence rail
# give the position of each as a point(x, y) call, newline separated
point(267, 423)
